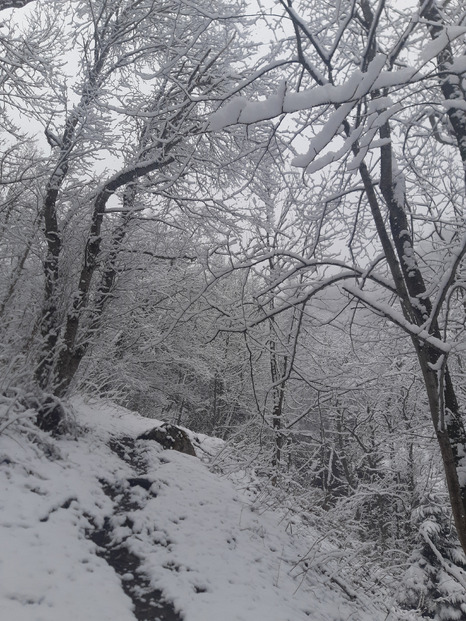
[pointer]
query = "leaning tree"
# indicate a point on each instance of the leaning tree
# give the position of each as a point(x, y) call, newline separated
point(115, 97)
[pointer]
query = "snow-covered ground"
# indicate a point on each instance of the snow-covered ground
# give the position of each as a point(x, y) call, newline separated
point(199, 541)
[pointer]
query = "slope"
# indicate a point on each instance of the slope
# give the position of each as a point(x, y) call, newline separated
point(102, 526)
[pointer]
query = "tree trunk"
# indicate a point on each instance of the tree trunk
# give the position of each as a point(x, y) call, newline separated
point(409, 282)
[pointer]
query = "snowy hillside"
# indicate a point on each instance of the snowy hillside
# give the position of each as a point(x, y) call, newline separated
point(101, 527)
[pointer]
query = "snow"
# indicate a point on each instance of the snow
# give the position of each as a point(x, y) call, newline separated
point(47, 567)
point(441, 41)
point(208, 547)
point(357, 86)
point(398, 319)
point(458, 65)
point(454, 104)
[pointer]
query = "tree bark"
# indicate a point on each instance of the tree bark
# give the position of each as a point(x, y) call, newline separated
point(50, 322)
point(13, 4)
point(70, 354)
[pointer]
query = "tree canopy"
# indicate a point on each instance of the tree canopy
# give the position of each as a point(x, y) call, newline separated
point(249, 220)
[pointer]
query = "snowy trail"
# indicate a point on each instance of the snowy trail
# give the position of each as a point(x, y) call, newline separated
point(104, 527)
point(149, 604)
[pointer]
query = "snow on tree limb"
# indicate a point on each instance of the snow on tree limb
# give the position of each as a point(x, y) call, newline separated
point(396, 317)
point(357, 86)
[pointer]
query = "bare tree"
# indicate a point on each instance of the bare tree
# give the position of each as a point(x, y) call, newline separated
point(374, 99)
point(127, 146)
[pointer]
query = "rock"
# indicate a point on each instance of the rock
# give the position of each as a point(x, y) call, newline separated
point(170, 437)
point(141, 482)
point(50, 415)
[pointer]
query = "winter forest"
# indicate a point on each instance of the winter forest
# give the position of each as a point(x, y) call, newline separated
point(248, 219)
